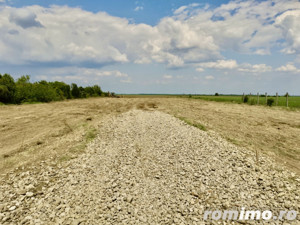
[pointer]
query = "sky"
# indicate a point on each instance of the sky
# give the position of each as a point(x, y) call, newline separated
point(155, 46)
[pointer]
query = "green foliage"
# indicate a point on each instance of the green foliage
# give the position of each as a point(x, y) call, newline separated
point(253, 101)
point(7, 88)
point(75, 91)
point(23, 91)
point(270, 101)
point(216, 94)
point(246, 99)
point(294, 101)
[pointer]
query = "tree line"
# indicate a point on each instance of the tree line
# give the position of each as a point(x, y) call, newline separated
point(22, 90)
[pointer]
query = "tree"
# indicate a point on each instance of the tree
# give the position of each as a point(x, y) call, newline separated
point(44, 92)
point(8, 88)
point(23, 90)
point(63, 90)
point(97, 90)
point(75, 91)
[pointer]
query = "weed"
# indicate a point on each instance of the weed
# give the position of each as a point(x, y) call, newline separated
point(91, 134)
point(194, 124)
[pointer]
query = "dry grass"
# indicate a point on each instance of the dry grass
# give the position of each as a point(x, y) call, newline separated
point(61, 130)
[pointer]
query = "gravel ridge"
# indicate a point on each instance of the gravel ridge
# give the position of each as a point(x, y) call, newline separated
point(147, 167)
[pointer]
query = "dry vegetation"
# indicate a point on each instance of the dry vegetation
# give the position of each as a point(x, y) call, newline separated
point(61, 130)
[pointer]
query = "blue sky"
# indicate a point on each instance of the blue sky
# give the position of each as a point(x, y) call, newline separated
point(151, 46)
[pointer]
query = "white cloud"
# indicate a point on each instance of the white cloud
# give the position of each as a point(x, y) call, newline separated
point(288, 68)
point(233, 65)
point(219, 64)
point(193, 35)
point(289, 24)
point(257, 68)
point(138, 8)
point(209, 77)
point(79, 73)
point(167, 76)
point(199, 69)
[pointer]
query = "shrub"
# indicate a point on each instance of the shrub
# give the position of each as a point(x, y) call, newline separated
point(270, 101)
point(216, 94)
point(246, 99)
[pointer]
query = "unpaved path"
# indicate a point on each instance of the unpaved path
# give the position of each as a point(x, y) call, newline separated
point(147, 167)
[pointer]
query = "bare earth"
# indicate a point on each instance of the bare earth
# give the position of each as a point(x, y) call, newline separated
point(144, 166)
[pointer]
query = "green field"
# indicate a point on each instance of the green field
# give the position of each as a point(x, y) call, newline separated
point(294, 101)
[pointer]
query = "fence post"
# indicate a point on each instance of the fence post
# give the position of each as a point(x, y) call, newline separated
point(257, 98)
point(276, 98)
point(266, 98)
point(243, 96)
point(287, 99)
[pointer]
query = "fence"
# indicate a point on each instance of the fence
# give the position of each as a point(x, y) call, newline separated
point(266, 98)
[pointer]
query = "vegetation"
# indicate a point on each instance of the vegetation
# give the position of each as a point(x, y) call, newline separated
point(23, 91)
point(270, 101)
point(194, 124)
point(294, 101)
point(245, 99)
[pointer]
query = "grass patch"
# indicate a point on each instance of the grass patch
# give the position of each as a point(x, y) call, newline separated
point(64, 158)
point(194, 124)
point(91, 134)
point(233, 141)
point(294, 101)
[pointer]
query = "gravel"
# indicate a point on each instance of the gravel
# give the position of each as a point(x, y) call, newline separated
point(147, 167)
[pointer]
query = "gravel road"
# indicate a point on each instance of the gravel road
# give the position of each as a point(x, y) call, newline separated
point(147, 167)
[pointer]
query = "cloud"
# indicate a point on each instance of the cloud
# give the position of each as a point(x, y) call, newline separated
point(24, 18)
point(220, 64)
point(289, 24)
point(209, 77)
point(139, 8)
point(85, 75)
point(195, 34)
point(257, 68)
point(288, 68)
point(167, 76)
point(233, 65)
point(199, 69)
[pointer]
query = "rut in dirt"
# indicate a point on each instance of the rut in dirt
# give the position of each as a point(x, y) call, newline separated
point(147, 167)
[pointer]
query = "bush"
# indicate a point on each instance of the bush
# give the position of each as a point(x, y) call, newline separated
point(246, 99)
point(216, 94)
point(270, 101)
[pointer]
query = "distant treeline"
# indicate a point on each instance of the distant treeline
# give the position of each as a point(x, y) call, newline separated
point(22, 90)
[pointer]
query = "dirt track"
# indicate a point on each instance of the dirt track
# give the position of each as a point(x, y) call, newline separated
point(147, 167)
